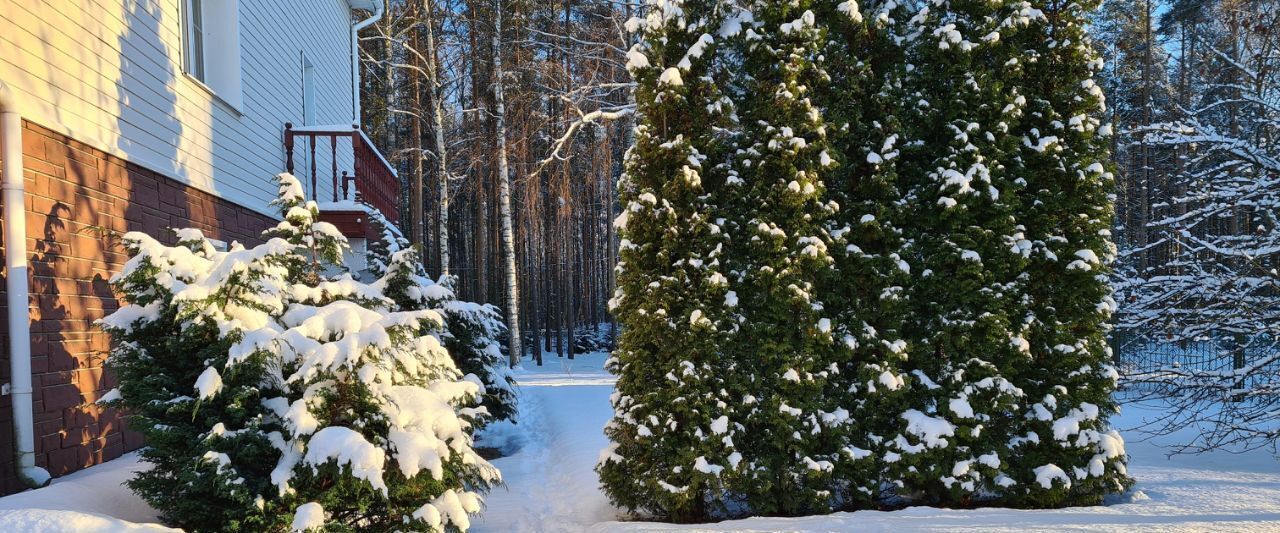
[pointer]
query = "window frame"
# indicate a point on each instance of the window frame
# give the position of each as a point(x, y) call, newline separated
point(193, 59)
point(309, 89)
point(220, 73)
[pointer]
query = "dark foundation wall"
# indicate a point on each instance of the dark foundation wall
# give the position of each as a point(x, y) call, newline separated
point(78, 200)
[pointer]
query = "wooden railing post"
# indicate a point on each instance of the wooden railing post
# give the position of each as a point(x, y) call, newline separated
point(357, 152)
point(288, 147)
point(333, 158)
point(312, 164)
point(346, 186)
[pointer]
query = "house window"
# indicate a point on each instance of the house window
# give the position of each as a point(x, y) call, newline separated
point(211, 46)
point(308, 92)
point(193, 34)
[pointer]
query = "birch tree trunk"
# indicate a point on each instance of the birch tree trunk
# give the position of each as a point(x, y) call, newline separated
point(442, 155)
point(504, 193)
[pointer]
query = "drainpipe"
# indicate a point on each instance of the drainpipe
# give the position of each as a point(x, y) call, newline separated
point(355, 58)
point(15, 260)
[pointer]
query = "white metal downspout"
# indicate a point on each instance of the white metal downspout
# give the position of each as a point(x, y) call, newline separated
point(355, 58)
point(15, 260)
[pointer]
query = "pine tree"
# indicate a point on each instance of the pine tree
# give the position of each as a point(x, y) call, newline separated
point(1140, 93)
point(674, 433)
point(274, 395)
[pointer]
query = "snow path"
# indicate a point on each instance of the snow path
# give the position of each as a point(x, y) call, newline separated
point(551, 483)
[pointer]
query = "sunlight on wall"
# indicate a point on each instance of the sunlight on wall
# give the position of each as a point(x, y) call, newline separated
point(109, 74)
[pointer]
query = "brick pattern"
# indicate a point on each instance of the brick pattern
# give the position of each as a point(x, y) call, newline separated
point(78, 200)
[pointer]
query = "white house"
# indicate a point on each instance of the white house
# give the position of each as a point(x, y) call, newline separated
point(122, 115)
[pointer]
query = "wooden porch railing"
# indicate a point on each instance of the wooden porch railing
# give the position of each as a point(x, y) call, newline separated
point(375, 179)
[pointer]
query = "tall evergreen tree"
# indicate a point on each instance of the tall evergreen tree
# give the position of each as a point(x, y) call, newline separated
point(864, 291)
point(1065, 452)
point(1006, 218)
point(778, 252)
point(910, 211)
point(965, 336)
point(672, 438)
point(1140, 93)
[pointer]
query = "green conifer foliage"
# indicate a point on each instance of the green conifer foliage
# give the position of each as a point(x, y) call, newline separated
point(864, 292)
point(673, 435)
point(1068, 454)
point(966, 250)
point(1005, 224)
point(274, 395)
point(472, 332)
point(159, 355)
point(863, 261)
point(778, 252)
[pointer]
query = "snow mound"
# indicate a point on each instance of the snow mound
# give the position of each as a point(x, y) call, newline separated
point(98, 490)
point(33, 520)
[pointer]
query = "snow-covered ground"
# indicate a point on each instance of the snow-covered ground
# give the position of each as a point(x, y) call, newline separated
point(91, 501)
point(550, 484)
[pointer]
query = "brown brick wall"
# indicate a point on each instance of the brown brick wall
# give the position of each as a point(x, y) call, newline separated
point(76, 198)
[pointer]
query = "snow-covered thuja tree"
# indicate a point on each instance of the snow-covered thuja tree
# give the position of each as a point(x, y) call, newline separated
point(675, 433)
point(964, 331)
point(863, 293)
point(273, 397)
point(1216, 294)
point(777, 253)
point(1063, 452)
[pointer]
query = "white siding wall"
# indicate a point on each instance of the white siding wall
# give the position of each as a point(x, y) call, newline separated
point(109, 74)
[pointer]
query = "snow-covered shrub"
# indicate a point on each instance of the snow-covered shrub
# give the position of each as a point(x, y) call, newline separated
point(273, 397)
point(598, 338)
point(388, 241)
point(473, 331)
